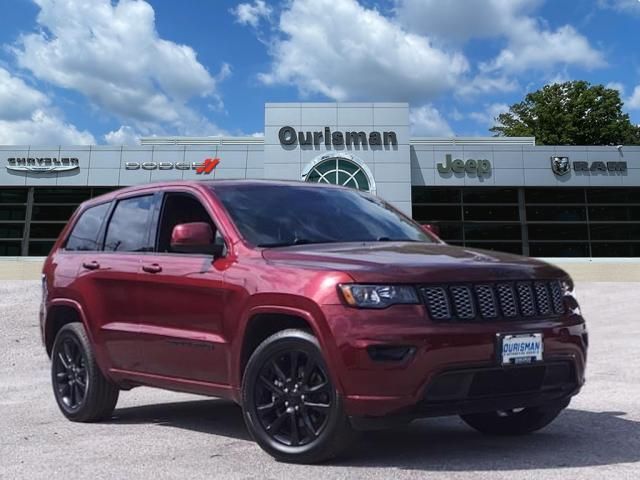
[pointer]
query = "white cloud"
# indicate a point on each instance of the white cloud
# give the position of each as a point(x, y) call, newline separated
point(27, 117)
point(616, 86)
point(113, 55)
point(346, 51)
point(624, 6)
point(530, 44)
point(484, 84)
point(125, 135)
point(17, 99)
point(459, 21)
point(251, 14)
point(490, 114)
point(532, 48)
point(633, 102)
point(42, 128)
point(427, 120)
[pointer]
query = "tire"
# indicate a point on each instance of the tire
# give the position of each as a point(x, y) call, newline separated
point(515, 422)
point(294, 414)
point(80, 389)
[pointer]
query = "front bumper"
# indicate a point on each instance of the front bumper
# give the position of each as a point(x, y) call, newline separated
point(373, 387)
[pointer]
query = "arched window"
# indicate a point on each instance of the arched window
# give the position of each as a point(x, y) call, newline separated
point(338, 170)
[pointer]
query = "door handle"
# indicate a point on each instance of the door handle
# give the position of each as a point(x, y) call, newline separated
point(92, 265)
point(153, 268)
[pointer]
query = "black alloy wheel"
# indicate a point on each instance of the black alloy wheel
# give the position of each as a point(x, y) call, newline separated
point(70, 374)
point(290, 403)
point(82, 392)
point(293, 398)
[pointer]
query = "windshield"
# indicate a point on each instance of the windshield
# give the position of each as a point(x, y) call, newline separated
point(281, 215)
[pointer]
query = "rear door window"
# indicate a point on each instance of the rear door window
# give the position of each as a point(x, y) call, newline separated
point(128, 229)
point(84, 236)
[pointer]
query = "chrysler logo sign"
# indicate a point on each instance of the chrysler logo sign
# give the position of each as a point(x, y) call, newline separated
point(562, 166)
point(42, 164)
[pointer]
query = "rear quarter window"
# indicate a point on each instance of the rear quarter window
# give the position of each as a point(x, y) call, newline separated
point(128, 229)
point(84, 235)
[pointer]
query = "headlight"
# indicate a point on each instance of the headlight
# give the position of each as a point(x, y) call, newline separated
point(377, 296)
point(567, 287)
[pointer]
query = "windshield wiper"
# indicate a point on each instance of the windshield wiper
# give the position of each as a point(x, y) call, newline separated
point(297, 241)
point(388, 239)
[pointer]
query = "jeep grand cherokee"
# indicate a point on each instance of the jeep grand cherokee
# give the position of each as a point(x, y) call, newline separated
point(320, 310)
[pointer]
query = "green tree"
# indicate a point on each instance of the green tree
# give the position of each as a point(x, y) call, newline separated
point(570, 113)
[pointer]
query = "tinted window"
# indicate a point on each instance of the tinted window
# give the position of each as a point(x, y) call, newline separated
point(46, 230)
point(428, 214)
point(85, 232)
point(271, 215)
point(180, 208)
point(435, 195)
point(490, 195)
point(61, 195)
point(128, 227)
point(13, 195)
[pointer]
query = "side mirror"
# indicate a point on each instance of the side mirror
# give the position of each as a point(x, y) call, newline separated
point(431, 229)
point(195, 237)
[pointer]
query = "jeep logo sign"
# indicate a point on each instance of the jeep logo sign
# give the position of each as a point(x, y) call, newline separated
point(470, 167)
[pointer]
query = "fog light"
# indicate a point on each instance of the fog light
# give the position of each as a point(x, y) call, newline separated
point(390, 353)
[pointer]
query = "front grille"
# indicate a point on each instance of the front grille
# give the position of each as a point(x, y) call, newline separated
point(493, 301)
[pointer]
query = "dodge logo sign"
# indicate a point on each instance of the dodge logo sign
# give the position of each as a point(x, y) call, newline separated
point(560, 165)
point(42, 164)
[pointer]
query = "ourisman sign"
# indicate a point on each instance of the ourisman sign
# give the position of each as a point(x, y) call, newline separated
point(288, 136)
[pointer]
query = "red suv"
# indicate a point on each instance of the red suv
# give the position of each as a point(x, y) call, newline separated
point(321, 310)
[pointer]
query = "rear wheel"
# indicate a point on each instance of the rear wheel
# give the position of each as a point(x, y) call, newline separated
point(82, 392)
point(519, 421)
point(290, 404)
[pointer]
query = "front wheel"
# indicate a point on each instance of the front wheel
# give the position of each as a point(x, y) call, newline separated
point(83, 393)
point(518, 421)
point(290, 404)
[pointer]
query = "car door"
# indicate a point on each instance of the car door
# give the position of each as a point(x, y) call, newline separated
point(110, 281)
point(184, 297)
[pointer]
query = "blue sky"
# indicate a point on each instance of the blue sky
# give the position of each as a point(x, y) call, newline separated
point(100, 71)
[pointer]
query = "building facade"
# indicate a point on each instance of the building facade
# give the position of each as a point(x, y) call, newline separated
point(497, 193)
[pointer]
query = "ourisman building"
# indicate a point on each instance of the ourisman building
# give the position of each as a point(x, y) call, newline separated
point(497, 193)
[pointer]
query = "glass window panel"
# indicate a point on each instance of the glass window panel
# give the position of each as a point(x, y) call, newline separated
point(435, 195)
point(561, 249)
point(11, 230)
point(128, 227)
point(497, 246)
point(558, 213)
point(449, 231)
point(61, 195)
point(429, 214)
point(13, 195)
point(40, 249)
point(557, 231)
point(492, 231)
point(101, 191)
point(491, 212)
point(613, 195)
point(600, 249)
point(84, 235)
point(10, 249)
point(490, 195)
point(45, 230)
point(615, 231)
point(13, 212)
point(52, 212)
point(554, 195)
point(604, 214)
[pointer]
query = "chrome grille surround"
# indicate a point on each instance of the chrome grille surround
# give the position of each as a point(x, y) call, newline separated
point(501, 301)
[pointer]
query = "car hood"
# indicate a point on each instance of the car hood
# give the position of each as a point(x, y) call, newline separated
point(412, 262)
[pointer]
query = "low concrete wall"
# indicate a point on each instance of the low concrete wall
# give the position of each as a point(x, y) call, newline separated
point(580, 269)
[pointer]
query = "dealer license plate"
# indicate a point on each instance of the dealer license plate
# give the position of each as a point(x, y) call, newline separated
point(517, 349)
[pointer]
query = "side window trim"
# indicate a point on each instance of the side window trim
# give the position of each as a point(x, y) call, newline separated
point(112, 210)
point(160, 212)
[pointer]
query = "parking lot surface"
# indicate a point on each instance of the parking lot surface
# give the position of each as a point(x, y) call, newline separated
point(157, 434)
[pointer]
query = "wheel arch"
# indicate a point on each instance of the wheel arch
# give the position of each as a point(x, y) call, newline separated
point(262, 322)
point(61, 312)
